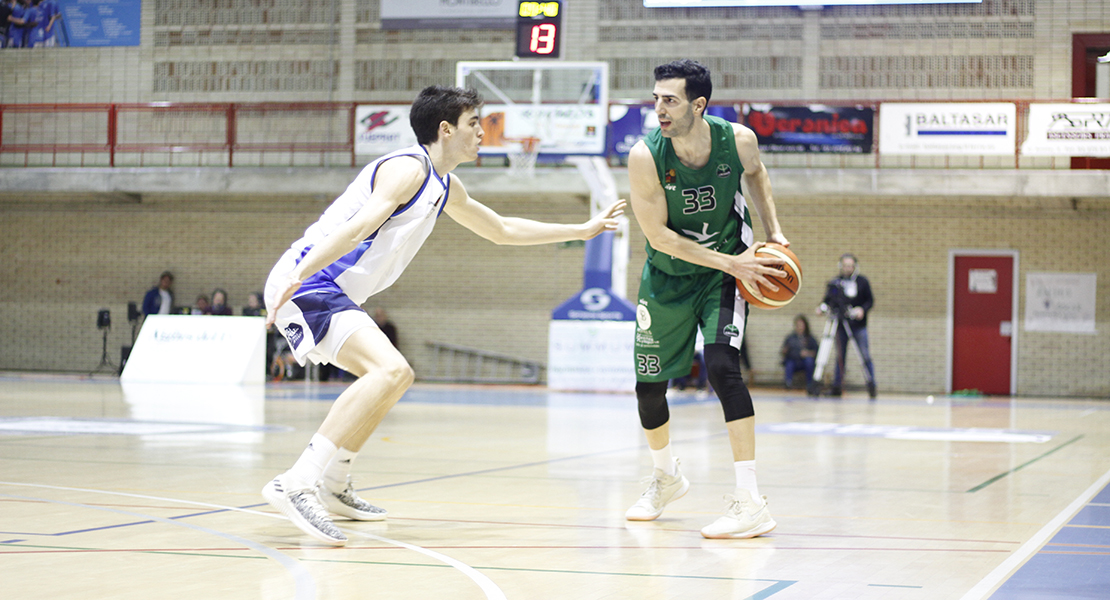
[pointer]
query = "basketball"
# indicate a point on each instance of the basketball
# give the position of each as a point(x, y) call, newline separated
point(789, 280)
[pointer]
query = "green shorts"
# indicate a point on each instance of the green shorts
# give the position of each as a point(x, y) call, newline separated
point(670, 310)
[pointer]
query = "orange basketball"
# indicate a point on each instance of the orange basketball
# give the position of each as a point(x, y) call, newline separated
point(789, 280)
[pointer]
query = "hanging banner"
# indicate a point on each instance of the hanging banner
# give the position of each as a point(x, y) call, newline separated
point(937, 128)
point(814, 129)
point(1068, 130)
point(381, 129)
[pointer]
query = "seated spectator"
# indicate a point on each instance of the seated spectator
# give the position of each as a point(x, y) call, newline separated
point(159, 300)
point(254, 307)
point(202, 307)
point(219, 303)
point(387, 326)
point(799, 351)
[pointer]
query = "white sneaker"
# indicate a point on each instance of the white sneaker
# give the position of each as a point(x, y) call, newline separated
point(348, 504)
point(743, 519)
point(662, 490)
point(303, 508)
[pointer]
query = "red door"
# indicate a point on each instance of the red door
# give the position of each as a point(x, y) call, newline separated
point(982, 319)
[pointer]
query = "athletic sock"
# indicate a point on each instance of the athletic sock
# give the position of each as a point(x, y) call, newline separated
point(309, 468)
point(663, 459)
point(335, 475)
point(745, 480)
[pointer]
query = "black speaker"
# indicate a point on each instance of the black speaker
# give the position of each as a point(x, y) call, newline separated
point(133, 313)
point(104, 319)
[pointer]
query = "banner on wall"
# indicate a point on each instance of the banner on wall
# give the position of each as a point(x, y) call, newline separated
point(448, 14)
point(972, 128)
point(381, 129)
point(1061, 302)
point(629, 123)
point(87, 23)
point(812, 129)
point(1068, 130)
point(560, 128)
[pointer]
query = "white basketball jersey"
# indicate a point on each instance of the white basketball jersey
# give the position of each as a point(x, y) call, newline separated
point(381, 258)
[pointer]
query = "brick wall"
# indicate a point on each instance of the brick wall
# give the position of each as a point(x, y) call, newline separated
point(65, 259)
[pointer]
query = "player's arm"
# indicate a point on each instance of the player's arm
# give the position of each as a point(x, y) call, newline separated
point(649, 204)
point(757, 183)
point(516, 231)
point(395, 183)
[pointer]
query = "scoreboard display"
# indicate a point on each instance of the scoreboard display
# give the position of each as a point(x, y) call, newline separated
point(539, 29)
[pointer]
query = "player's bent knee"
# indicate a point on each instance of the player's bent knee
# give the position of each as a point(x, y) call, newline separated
point(652, 400)
point(722, 362)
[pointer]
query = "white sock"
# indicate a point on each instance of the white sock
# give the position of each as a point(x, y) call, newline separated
point(335, 475)
point(663, 459)
point(309, 468)
point(745, 480)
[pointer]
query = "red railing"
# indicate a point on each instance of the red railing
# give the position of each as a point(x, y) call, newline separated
point(301, 134)
point(46, 134)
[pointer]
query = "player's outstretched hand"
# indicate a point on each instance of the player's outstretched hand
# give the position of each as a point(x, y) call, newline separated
point(605, 220)
point(749, 267)
point(278, 296)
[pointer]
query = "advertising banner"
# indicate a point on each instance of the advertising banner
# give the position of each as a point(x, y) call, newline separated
point(1068, 130)
point(595, 356)
point(938, 128)
point(441, 14)
point(814, 128)
point(381, 129)
point(629, 124)
point(198, 349)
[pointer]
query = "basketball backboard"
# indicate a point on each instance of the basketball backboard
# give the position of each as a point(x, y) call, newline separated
point(564, 105)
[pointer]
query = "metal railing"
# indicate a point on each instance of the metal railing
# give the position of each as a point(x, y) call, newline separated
point(324, 134)
point(459, 364)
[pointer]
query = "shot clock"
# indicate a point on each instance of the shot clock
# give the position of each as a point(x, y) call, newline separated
point(539, 29)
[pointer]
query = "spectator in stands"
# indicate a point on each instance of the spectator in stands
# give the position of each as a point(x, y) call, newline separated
point(219, 303)
point(159, 300)
point(203, 306)
point(387, 326)
point(254, 306)
point(799, 351)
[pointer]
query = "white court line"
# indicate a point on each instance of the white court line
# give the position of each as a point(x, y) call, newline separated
point(305, 585)
point(489, 588)
point(1003, 571)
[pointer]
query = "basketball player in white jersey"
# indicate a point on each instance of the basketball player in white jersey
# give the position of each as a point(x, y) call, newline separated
point(358, 247)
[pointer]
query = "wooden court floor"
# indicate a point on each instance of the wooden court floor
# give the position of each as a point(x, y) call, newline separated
point(493, 492)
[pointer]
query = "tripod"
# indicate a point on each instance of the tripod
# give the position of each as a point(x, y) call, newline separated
point(104, 324)
point(837, 319)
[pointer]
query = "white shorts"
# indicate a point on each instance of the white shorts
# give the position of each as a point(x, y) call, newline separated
point(317, 324)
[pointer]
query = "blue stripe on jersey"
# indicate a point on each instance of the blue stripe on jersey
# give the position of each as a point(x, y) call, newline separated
point(324, 279)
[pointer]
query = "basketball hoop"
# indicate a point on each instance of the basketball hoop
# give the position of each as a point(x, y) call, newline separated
point(522, 156)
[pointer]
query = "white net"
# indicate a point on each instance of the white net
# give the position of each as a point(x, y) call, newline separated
point(522, 156)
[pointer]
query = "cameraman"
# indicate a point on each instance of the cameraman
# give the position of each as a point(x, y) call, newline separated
point(849, 298)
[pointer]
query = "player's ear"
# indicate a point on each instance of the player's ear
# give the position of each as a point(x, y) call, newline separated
point(699, 105)
point(445, 129)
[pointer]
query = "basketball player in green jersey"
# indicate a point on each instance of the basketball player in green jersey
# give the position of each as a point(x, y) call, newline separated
point(686, 193)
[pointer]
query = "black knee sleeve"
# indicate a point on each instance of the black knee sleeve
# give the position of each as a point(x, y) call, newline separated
point(723, 364)
point(652, 398)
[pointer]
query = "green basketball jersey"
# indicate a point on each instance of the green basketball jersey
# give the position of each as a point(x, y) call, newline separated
point(703, 204)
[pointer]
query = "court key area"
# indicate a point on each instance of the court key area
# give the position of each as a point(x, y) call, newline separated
point(111, 490)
